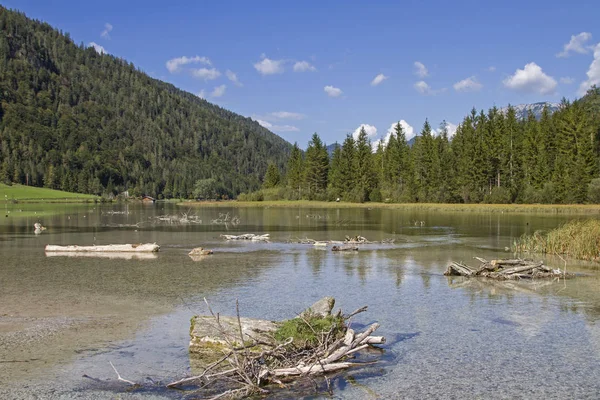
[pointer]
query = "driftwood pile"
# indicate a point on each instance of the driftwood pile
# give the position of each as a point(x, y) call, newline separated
point(250, 362)
point(506, 269)
point(348, 240)
point(248, 236)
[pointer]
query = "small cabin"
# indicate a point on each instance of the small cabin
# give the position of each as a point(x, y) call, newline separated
point(148, 199)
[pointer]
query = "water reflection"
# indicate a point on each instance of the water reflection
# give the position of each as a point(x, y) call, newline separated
point(136, 312)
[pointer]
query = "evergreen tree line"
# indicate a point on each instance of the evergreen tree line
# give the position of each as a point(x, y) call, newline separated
point(77, 120)
point(494, 157)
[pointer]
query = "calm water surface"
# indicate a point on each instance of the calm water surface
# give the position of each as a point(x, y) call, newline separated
point(65, 317)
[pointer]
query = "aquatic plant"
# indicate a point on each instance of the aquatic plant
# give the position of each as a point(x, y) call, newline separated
point(578, 239)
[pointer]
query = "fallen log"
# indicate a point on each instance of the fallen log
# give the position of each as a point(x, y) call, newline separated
point(344, 248)
point(116, 248)
point(506, 269)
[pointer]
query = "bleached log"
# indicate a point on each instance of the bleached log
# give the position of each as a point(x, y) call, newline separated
point(519, 269)
point(508, 262)
point(312, 369)
point(117, 248)
point(459, 269)
point(373, 340)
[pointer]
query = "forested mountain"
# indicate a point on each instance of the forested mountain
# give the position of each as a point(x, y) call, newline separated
point(494, 157)
point(77, 120)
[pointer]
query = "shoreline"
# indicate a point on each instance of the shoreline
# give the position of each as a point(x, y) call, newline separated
point(575, 209)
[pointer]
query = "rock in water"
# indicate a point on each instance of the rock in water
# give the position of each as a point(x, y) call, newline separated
point(321, 308)
point(199, 251)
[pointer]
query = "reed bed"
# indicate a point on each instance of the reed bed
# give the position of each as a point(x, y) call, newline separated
point(578, 239)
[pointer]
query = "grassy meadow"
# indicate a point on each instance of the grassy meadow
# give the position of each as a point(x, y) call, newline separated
point(22, 193)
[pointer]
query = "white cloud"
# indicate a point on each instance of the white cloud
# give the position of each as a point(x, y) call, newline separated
point(202, 94)
point(218, 91)
point(174, 64)
point(449, 126)
point(531, 79)
point(469, 84)
point(106, 32)
point(99, 49)
point(422, 87)
point(303, 66)
point(378, 79)
point(409, 131)
point(332, 91)
point(264, 124)
point(451, 129)
point(269, 67)
point(491, 68)
point(369, 129)
point(567, 80)
point(233, 78)
point(206, 74)
point(277, 128)
point(286, 115)
point(576, 45)
point(593, 73)
point(420, 69)
point(386, 138)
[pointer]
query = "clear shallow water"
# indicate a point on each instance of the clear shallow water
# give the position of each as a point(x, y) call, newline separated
point(63, 317)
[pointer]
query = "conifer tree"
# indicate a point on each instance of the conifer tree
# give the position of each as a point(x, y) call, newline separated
point(367, 179)
point(316, 167)
point(295, 170)
point(272, 177)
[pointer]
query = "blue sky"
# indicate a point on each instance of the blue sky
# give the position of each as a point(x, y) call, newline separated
point(330, 66)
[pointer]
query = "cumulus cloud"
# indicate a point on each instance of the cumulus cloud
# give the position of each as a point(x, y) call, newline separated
point(531, 79)
point(266, 66)
point(450, 127)
point(277, 128)
point(206, 74)
point(491, 69)
point(303, 66)
point(202, 94)
point(174, 64)
point(577, 44)
point(420, 69)
point(99, 49)
point(378, 79)
point(218, 91)
point(332, 91)
point(423, 87)
point(369, 129)
point(232, 76)
point(593, 73)
point(470, 84)
point(567, 80)
point(264, 124)
point(106, 32)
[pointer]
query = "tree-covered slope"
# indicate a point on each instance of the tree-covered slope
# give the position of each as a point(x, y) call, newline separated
point(77, 120)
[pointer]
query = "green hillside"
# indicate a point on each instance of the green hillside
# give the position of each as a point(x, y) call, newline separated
point(28, 193)
point(76, 120)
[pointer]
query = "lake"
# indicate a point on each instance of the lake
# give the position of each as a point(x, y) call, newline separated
point(65, 317)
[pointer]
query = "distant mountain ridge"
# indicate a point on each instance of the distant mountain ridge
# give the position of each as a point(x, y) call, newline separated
point(522, 110)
